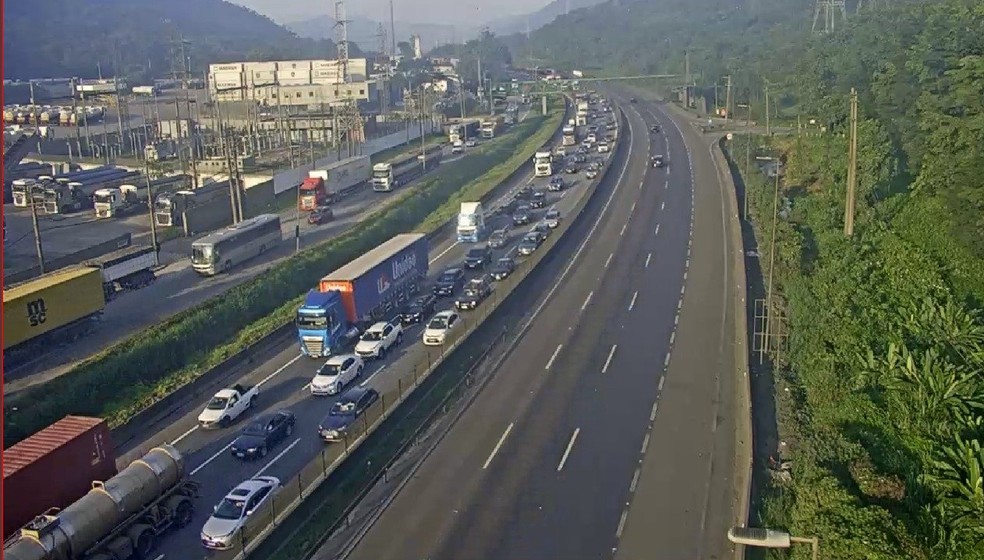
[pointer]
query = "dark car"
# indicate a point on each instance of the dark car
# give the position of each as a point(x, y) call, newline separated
point(539, 200)
point(262, 434)
point(658, 161)
point(580, 158)
point(449, 281)
point(521, 216)
point(476, 291)
point(542, 228)
point(654, 128)
point(419, 308)
point(478, 257)
point(352, 404)
point(530, 243)
point(556, 184)
point(503, 268)
point(320, 215)
point(525, 192)
point(571, 170)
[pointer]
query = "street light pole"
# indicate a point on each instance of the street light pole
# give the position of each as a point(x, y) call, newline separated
point(772, 255)
point(150, 208)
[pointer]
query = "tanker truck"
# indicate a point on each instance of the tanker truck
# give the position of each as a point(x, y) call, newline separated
point(118, 519)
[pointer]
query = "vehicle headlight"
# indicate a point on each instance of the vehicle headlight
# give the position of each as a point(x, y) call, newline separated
point(252, 450)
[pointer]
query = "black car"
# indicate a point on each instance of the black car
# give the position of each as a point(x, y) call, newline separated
point(521, 216)
point(543, 228)
point(478, 257)
point(658, 161)
point(539, 200)
point(655, 128)
point(556, 184)
point(320, 215)
point(419, 308)
point(503, 268)
point(498, 239)
point(449, 281)
point(352, 404)
point(530, 243)
point(571, 170)
point(525, 192)
point(262, 434)
point(476, 291)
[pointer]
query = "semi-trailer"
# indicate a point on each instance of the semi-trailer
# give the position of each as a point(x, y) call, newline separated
point(130, 268)
point(389, 176)
point(324, 186)
point(78, 194)
point(492, 126)
point(569, 135)
point(169, 207)
point(119, 519)
point(360, 293)
point(463, 130)
point(53, 468)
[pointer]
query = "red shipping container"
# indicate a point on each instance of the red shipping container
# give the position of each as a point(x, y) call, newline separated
point(54, 467)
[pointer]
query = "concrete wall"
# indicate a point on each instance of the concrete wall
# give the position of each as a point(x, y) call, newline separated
point(217, 213)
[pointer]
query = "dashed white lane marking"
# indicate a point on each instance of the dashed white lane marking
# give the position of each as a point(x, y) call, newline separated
point(368, 379)
point(649, 256)
point(553, 356)
point(567, 452)
point(632, 303)
point(497, 446)
point(657, 230)
point(608, 362)
point(608, 261)
point(625, 225)
point(662, 379)
point(587, 300)
point(277, 458)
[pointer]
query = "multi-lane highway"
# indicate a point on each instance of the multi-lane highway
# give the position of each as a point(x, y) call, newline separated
point(284, 379)
point(605, 429)
point(178, 287)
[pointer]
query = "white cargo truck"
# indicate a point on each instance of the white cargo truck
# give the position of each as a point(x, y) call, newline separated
point(543, 164)
point(471, 222)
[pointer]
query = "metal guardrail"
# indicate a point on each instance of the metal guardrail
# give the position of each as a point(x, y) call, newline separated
point(264, 521)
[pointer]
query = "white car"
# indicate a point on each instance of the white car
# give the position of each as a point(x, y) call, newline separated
point(227, 405)
point(602, 147)
point(378, 339)
point(230, 516)
point(337, 372)
point(552, 218)
point(470, 143)
point(439, 326)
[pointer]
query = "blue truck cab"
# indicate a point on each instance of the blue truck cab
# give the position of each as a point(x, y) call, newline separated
point(359, 293)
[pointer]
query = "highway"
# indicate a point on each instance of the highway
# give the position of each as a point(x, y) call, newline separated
point(178, 287)
point(283, 383)
point(597, 440)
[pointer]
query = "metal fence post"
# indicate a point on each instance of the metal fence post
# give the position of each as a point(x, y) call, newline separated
point(399, 387)
point(300, 487)
point(324, 463)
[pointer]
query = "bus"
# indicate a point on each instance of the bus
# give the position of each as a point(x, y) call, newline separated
point(218, 252)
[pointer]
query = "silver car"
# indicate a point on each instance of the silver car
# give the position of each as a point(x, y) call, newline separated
point(232, 513)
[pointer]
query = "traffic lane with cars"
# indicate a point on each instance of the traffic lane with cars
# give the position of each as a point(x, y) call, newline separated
point(208, 451)
point(583, 482)
point(691, 491)
point(465, 471)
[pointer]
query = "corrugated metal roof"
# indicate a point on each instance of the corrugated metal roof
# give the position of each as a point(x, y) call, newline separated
point(41, 443)
point(373, 258)
point(12, 293)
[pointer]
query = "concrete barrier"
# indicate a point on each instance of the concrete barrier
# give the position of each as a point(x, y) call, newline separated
point(114, 244)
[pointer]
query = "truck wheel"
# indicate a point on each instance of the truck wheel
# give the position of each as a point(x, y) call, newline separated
point(183, 514)
point(144, 544)
point(263, 451)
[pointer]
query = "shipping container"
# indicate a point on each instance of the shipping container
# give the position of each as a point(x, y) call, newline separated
point(54, 467)
point(228, 77)
point(326, 73)
point(295, 76)
point(369, 279)
point(261, 66)
point(49, 302)
point(292, 65)
point(235, 67)
point(263, 77)
point(324, 63)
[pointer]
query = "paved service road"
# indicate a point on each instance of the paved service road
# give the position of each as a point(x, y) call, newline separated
point(284, 380)
point(178, 287)
point(544, 463)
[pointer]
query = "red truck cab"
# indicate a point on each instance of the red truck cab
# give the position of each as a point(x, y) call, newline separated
point(312, 194)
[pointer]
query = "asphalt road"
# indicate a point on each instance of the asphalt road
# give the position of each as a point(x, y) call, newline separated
point(177, 287)
point(583, 444)
point(283, 383)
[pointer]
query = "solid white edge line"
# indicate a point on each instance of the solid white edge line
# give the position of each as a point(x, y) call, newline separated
point(366, 382)
point(553, 356)
point(587, 300)
point(277, 458)
point(497, 446)
point(608, 362)
point(186, 434)
point(567, 452)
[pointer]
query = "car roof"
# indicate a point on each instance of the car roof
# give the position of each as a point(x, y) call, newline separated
point(378, 326)
point(452, 270)
point(553, 211)
point(478, 280)
point(339, 358)
point(505, 259)
point(445, 313)
point(355, 393)
point(245, 488)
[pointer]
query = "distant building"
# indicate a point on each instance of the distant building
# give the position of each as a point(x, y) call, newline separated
point(440, 85)
point(418, 53)
point(301, 81)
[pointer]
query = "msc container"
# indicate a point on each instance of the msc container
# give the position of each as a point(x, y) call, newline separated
point(54, 467)
point(370, 279)
point(43, 304)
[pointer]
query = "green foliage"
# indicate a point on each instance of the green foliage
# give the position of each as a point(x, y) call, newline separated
point(179, 350)
point(60, 38)
point(491, 50)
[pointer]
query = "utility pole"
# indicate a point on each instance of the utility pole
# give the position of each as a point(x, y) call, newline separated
point(37, 228)
point(727, 101)
point(423, 141)
point(772, 259)
point(392, 29)
point(150, 208)
point(852, 168)
point(85, 123)
point(75, 113)
point(768, 128)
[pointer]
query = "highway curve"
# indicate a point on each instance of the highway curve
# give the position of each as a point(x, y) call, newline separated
point(284, 378)
point(584, 444)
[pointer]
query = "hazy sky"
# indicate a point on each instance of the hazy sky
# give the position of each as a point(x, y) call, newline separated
point(455, 12)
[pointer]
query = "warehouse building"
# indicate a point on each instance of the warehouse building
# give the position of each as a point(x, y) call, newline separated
point(289, 82)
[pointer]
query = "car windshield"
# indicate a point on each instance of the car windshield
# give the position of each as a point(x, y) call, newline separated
point(553, 214)
point(230, 509)
point(505, 262)
point(255, 429)
point(372, 336)
point(476, 253)
point(438, 323)
point(329, 369)
point(217, 403)
point(346, 408)
point(447, 277)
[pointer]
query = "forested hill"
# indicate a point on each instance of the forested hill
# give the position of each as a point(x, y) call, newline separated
point(880, 392)
point(63, 38)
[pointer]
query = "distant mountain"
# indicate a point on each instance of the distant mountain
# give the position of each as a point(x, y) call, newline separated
point(64, 38)
point(364, 32)
point(545, 15)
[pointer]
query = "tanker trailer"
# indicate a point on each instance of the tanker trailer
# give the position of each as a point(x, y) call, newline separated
point(118, 519)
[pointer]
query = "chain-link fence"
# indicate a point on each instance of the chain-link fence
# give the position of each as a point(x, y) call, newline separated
point(276, 510)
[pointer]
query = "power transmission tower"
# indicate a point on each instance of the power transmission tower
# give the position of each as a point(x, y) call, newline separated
point(852, 168)
point(122, 106)
point(348, 119)
point(384, 84)
point(829, 9)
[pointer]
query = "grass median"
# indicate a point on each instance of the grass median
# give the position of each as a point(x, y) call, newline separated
point(140, 371)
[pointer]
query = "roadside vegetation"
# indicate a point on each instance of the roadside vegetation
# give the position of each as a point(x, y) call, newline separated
point(880, 388)
point(143, 369)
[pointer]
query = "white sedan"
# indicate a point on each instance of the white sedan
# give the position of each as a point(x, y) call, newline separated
point(232, 513)
point(439, 326)
point(336, 374)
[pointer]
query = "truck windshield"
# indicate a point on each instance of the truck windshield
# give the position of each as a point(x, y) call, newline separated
point(466, 220)
point(230, 509)
point(103, 198)
point(308, 321)
point(163, 204)
point(201, 254)
point(217, 403)
point(379, 174)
